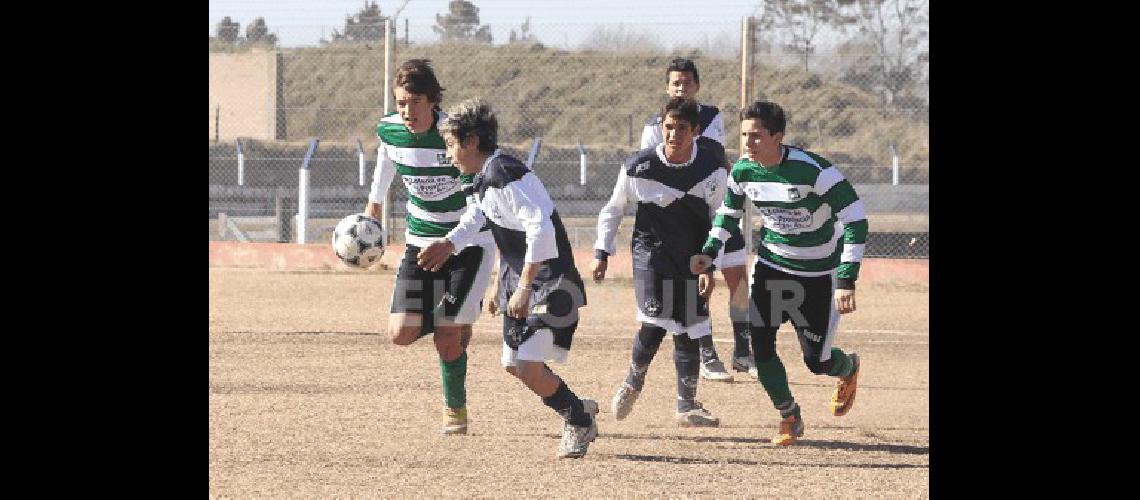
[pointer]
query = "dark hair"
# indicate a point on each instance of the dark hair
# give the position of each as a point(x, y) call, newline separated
point(473, 117)
point(770, 114)
point(416, 77)
point(685, 109)
point(682, 64)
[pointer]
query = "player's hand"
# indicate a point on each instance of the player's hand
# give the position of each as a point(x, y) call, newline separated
point(699, 262)
point(492, 298)
point(373, 210)
point(599, 270)
point(845, 300)
point(432, 257)
point(705, 284)
point(518, 306)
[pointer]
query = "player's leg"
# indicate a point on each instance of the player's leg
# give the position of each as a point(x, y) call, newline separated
point(645, 344)
point(695, 321)
point(413, 297)
point(687, 359)
point(734, 269)
point(736, 279)
point(525, 352)
point(467, 277)
point(646, 341)
point(766, 315)
point(816, 337)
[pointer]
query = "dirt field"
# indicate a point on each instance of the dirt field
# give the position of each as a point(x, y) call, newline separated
point(309, 398)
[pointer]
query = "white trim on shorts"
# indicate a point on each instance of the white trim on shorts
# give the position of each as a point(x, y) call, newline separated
point(732, 259)
point(539, 347)
point(670, 325)
point(832, 324)
point(470, 310)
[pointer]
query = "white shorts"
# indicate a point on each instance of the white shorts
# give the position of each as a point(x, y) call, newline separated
point(539, 347)
point(734, 259)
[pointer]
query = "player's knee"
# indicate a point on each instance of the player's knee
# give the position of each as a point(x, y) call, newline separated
point(816, 366)
point(403, 335)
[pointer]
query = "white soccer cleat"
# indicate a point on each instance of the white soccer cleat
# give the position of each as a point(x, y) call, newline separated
point(623, 401)
point(575, 439)
point(713, 369)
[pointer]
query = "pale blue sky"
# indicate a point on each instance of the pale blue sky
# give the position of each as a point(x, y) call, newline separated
point(303, 22)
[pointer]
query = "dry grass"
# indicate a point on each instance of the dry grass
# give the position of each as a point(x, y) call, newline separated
point(308, 398)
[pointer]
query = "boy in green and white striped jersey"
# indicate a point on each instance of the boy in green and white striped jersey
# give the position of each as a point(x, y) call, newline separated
point(803, 200)
point(444, 301)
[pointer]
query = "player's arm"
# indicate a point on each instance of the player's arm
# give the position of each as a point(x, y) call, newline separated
point(531, 204)
point(433, 256)
point(715, 130)
point(609, 220)
point(727, 218)
point(845, 203)
point(381, 181)
point(650, 134)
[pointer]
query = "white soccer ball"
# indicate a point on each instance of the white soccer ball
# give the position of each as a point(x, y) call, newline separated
point(358, 240)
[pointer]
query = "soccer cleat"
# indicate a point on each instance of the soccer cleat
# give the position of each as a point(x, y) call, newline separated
point(698, 416)
point(575, 439)
point(745, 364)
point(844, 397)
point(623, 401)
point(790, 429)
point(454, 421)
point(713, 369)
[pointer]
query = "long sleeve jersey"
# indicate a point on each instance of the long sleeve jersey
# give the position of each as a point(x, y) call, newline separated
point(803, 201)
point(711, 122)
point(435, 196)
point(675, 207)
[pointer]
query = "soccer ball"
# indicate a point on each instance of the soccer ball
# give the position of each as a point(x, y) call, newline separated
point(358, 240)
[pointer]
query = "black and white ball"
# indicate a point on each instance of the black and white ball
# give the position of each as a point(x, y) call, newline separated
point(358, 240)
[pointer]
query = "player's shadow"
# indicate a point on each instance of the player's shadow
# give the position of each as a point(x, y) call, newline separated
point(897, 449)
point(737, 461)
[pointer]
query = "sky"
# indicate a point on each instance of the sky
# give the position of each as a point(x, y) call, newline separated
point(557, 23)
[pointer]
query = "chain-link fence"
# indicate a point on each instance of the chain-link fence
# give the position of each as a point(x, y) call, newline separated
point(595, 97)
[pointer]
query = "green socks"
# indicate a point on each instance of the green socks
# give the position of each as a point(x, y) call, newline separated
point(454, 376)
point(841, 365)
point(775, 381)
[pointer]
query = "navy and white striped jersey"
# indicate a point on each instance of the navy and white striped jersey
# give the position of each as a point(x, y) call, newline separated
point(675, 207)
point(710, 118)
point(524, 222)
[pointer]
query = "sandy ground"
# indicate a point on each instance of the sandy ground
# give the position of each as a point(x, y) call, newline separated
point(308, 398)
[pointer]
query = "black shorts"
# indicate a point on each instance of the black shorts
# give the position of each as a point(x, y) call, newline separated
point(556, 310)
point(448, 293)
point(806, 301)
point(735, 240)
point(675, 298)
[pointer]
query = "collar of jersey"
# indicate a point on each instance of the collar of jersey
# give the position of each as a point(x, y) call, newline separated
point(660, 149)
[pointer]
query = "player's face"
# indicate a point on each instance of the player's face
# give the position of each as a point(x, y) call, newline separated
point(414, 109)
point(678, 135)
point(464, 155)
point(681, 84)
point(758, 143)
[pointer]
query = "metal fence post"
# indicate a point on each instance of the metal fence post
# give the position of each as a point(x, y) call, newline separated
point(581, 164)
point(241, 162)
point(745, 72)
point(894, 164)
point(303, 193)
point(386, 207)
point(360, 156)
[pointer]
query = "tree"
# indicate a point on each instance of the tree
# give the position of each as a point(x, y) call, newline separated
point(895, 32)
point(366, 26)
point(524, 34)
point(461, 24)
point(258, 33)
point(801, 21)
point(228, 30)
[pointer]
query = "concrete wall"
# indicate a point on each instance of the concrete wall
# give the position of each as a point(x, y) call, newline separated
point(244, 87)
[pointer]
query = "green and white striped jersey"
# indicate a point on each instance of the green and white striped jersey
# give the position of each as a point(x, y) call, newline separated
point(802, 201)
point(435, 186)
